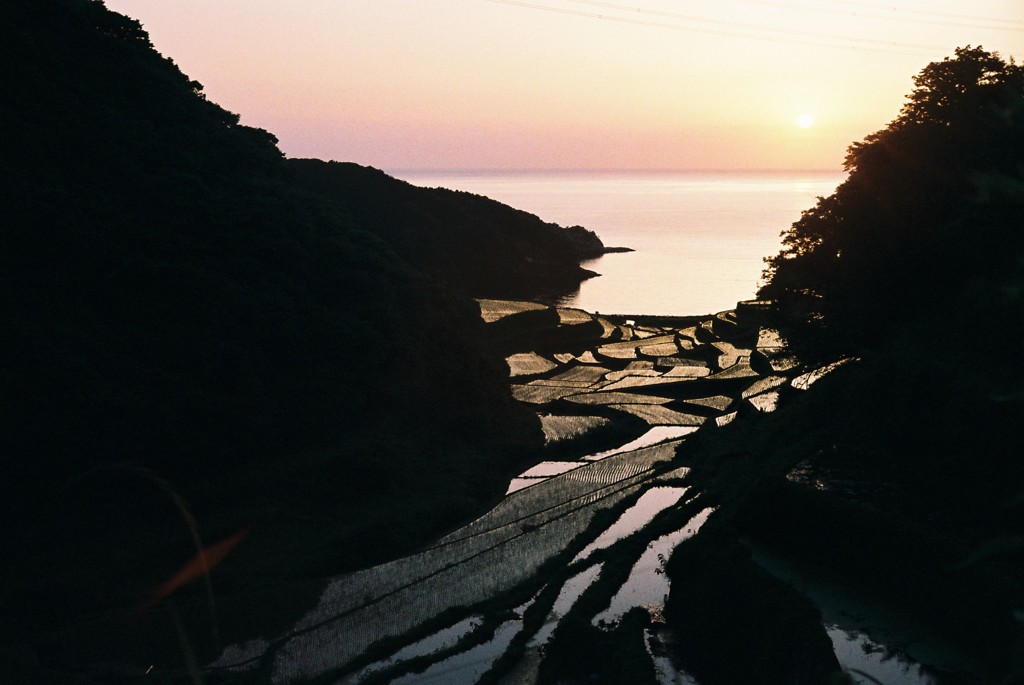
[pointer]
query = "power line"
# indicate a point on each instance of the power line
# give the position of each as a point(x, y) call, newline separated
point(887, 17)
point(932, 13)
point(810, 38)
point(641, 10)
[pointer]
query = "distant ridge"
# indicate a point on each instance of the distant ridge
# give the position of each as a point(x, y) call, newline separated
point(477, 245)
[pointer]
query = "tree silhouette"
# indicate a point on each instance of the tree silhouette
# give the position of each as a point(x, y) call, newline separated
point(928, 204)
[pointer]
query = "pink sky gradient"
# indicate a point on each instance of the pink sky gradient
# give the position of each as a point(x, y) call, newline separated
point(476, 84)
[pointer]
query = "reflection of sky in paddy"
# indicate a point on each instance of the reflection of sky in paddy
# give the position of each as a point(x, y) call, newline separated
point(887, 645)
point(567, 596)
point(652, 437)
point(857, 651)
point(468, 666)
point(636, 517)
point(517, 536)
point(541, 471)
point(442, 639)
point(647, 584)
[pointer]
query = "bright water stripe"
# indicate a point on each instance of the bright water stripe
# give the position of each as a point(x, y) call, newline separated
point(647, 583)
point(650, 504)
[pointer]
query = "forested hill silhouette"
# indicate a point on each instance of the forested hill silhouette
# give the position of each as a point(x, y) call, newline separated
point(915, 266)
point(479, 246)
point(184, 322)
point(903, 466)
point(932, 204)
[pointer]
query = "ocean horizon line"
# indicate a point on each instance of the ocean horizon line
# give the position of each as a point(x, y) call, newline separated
point(491, 171)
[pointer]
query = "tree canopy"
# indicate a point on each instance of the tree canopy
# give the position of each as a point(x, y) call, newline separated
point(915, 265)
point(932, 203)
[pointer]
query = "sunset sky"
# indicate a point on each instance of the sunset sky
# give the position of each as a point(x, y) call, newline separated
point(569, 84)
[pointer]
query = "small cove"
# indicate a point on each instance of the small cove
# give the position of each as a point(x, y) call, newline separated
point(699, 238)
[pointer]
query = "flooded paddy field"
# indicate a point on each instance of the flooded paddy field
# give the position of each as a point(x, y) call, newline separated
point(577, 550)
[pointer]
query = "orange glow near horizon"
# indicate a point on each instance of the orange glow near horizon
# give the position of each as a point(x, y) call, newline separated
point(655, 84)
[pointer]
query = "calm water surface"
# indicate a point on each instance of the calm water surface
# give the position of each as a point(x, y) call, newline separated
point(700, 237)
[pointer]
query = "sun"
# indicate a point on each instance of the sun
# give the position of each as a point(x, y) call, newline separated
point(805, 121)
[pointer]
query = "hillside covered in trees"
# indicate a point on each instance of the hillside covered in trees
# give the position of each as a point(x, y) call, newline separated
point(479, 246)
point(200, 345)
point(899, 475)
point(915, 267)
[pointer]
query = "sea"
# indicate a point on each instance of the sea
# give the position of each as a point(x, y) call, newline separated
point(699, 238)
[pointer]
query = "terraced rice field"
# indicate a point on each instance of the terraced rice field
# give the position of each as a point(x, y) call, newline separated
point(661, 375)
point(483, 600)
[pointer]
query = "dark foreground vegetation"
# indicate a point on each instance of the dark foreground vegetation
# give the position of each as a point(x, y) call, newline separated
point(203, 341)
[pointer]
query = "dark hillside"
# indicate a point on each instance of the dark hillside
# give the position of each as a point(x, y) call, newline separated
point(916, 266)
point(900, 474)
point(182, 324)
point(931, 207)
point(480, 246)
